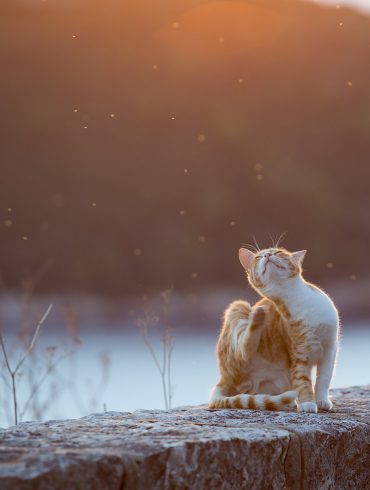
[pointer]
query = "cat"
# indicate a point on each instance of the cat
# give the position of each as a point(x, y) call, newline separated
point(272, 347)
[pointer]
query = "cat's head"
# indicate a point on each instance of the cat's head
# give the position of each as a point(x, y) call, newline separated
point(271, 267)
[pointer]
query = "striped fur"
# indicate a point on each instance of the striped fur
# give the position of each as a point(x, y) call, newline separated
point(266, 352)
point(256, 402)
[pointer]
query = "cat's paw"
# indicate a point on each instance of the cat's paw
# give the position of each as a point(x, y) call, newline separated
point(324, 404)
point(309, 407)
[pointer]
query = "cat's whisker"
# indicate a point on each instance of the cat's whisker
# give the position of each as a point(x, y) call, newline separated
point(273, 242)
point(281, 238)
point(250, 247)
point(256, 243)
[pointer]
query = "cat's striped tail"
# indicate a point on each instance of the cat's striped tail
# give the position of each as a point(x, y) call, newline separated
point(255, 402)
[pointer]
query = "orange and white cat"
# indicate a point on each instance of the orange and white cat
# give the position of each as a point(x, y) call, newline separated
point(266, 352)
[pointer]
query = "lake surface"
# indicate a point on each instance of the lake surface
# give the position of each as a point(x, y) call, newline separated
point(114, 370)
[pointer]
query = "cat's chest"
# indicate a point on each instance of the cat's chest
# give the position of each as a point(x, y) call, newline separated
point(313, 308)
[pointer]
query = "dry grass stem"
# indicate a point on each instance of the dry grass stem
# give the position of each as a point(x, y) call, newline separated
point(13, 372)
point(167, 340)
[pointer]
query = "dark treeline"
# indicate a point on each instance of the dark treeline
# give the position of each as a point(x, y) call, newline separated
point(142, 142)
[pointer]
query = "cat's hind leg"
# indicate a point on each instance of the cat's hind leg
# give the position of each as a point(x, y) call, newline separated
point(237, 347)
point(246, 333)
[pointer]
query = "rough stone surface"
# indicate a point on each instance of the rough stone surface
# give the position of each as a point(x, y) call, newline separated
point(194, 448)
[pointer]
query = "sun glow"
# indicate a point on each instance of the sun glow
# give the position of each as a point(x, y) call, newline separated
point(222, 28)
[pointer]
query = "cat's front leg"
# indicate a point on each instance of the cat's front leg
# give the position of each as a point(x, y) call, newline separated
point(302, 384)
point(325, 369)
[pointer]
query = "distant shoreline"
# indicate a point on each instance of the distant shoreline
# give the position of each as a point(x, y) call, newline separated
point(202, 308)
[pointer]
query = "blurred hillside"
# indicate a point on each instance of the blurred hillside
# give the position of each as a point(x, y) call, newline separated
point(142, 142)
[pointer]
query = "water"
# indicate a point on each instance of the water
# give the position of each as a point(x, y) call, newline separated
point(133, 381)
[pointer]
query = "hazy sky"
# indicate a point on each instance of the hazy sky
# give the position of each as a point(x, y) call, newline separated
point(363, 4)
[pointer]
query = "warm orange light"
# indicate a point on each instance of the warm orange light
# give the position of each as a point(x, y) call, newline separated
point(221, 28)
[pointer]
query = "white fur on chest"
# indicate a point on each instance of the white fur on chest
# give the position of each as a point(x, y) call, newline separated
point(316, 310)
point(312, 306)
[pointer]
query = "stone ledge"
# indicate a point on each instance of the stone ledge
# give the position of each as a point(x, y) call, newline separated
point(194, 449)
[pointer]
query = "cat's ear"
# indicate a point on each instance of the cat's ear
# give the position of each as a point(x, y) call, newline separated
point(299, 256)
point(246, 258)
